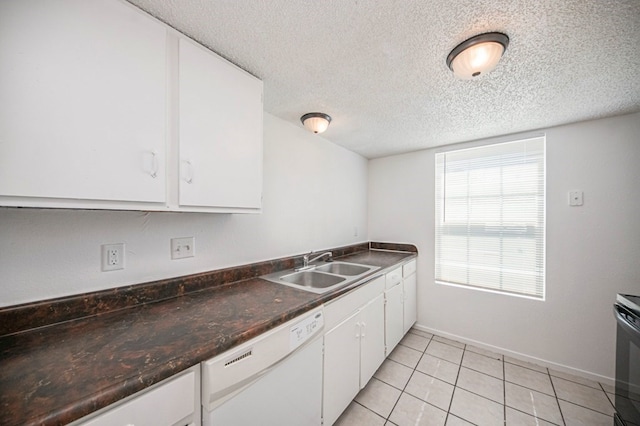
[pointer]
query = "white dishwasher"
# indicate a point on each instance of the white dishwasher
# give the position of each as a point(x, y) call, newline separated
point(273, 379)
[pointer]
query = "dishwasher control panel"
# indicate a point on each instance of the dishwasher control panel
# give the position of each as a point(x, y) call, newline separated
point(305, 329)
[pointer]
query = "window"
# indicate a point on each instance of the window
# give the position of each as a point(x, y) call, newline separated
point(490, 216)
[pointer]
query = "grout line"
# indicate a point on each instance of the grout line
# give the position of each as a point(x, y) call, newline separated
point(455, 385)
point(582, 406)
point(504, 390)
point(415, 367)
point(555, 394)
point(368, 409)
point(536, 418)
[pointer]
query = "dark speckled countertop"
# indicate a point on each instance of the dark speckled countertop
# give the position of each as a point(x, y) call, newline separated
point(60, 372)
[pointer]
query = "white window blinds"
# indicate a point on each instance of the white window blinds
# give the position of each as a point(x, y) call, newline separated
point(490, 217)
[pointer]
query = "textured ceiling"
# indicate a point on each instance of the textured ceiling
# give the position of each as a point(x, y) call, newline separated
point(378, 67)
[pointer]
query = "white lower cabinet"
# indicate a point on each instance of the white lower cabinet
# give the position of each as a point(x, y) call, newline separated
point(341, 368)
point(394, 316)
point(400, 303)
point(354, 348)
point(409, 287)
point(174, 401)
point(371, 339)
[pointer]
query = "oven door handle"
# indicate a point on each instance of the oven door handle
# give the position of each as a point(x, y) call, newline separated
point(621, 317)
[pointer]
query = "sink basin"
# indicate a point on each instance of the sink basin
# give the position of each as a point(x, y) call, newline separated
point(313, 279)
point(322, 277)
point(340, 268)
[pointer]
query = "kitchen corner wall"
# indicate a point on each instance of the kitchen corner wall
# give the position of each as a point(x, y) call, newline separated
point(315, 197)
point(592, 251)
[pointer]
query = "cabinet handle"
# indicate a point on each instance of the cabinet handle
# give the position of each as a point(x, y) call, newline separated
point(188, 169)
point(153, 172)
point(364, 326)
point(154, 164)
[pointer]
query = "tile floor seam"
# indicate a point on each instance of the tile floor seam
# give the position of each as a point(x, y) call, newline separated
point(368, 409)
point(580, 405)
point(455, 385)
point(530, 388)
point(524, 412)
point(612, 402)
point(586, 386)
point(504, 392)
point(481, 396)
point(533, 369)
point(482, 372)
point(446, 417)
point(415, 367)
point(401, 392)
point(555, 393)
point(417, 397)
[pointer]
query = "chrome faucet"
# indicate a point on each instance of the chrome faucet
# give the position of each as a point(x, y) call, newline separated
point(306, 261)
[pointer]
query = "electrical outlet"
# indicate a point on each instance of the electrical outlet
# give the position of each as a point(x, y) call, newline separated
point(183, 247)
point(112, 257)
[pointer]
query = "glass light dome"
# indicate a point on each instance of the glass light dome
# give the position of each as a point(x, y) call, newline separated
point(478, 55)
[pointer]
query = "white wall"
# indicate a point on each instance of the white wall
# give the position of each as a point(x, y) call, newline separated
point(315, 194)
point(593, 251)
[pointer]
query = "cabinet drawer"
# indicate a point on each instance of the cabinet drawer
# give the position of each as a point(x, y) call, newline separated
point(394, 277)
point(167, 404)
point(409, 268)
point(336, 311)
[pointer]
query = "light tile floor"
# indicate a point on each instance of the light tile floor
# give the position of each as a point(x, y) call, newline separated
point(431, 380)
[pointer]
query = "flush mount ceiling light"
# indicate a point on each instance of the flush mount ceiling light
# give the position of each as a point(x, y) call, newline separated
point(478, 55)
point(317, 122)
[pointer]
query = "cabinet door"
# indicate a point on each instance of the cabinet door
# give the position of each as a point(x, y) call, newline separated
point(410, 302)
point(173, 402)
point(371, 339)
point(83, 108)
point(394, 277)
point(341, 368)
point(394, 317)
point(220, 136)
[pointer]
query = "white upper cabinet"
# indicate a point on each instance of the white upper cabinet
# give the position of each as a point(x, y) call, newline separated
point(220, 132)
point(82, 111)
point(104, 107)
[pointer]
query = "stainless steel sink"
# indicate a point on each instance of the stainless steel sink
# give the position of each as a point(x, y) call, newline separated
point(312, 279)
point(322, 277)
point(341, 268)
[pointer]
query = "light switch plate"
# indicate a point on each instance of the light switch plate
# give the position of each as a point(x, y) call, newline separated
point(183, 247)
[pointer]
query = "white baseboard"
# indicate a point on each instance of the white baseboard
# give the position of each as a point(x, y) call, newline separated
point(522, 357)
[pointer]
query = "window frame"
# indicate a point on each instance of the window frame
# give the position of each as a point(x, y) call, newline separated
point(536, 232)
